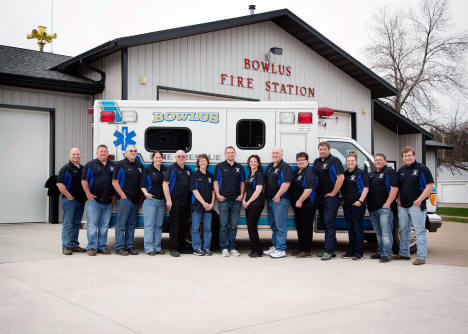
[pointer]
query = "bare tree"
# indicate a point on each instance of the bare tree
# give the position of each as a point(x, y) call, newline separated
point(416, 53)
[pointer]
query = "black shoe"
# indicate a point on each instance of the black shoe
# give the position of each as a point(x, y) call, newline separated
point(207, 252)
point(255, 254)
point(121, 251)
point(376, 256)
point(175, 253)
point(358, 257)
point(321, 254)
point(346, 255)
point(385, 259)
point(132, 251)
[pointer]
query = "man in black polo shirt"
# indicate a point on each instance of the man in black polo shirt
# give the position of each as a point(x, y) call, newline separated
point(126, 181)
point(176, 187)
point(229, 188)
point(73, 199)
point(330, 175)
point(383, 188)
point(278, 178)
point(97, 184)
point(416, 184)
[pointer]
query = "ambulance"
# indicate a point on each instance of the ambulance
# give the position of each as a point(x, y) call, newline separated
point(198, 127)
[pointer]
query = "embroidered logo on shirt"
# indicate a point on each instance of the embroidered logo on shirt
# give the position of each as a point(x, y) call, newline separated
point(299, 177)
point(352, 177)
point(381, 175)
point(237, 170)
point(276, 170)
point(188, 172)
point(139, 169)
point(209, 180)
point(111, 168)
point(415, 172)
point(325, 166)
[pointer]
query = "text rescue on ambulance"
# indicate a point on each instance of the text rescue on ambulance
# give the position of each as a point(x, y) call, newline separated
point(270, 86)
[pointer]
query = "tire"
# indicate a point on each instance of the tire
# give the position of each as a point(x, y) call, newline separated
point(370, 238)
point(215, 231)
point(396, 238)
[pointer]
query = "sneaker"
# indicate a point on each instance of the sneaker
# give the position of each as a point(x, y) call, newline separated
point(151, 253)
point(132, 251)
point(321, 254)
point(400, 257)
point(327, 256)
point(347, 255)
point(385, 259)
point(225, 252)
point(278, 254)
point(161, 252)
point(419, 262)
point(269, 251)
point(104, 251)
point(303, 254)
point(92, 252)
point(358, 257)
point(376, 256)
point(121, 251)
point(67, 251)
point(175, 253)
point(78, 249)
point(207, 252)
point(198, 252)
point(234, 252)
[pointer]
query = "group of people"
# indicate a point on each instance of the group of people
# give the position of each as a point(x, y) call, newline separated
point(322, 186)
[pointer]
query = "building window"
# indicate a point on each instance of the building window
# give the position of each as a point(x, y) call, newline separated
point(168, 139)
point(250, 134)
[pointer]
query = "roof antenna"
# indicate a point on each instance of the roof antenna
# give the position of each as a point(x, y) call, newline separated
point(252, 9)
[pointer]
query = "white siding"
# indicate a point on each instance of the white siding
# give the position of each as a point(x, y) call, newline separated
point(112, 67)
point(386, 142)
point(196, 63)
point(72, 122)
point(431, 162)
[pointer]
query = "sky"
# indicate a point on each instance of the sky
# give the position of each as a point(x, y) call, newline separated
point(83, 24)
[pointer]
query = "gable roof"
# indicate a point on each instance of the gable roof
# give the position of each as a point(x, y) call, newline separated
point(31, 69)
point(396, 122)
point(283, 18)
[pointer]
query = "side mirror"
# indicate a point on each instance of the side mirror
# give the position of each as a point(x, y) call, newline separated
point(367, 166)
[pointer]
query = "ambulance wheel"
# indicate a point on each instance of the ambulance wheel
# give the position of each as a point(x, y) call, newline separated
point(396, 238)
point(215, 231)
point(370, 238)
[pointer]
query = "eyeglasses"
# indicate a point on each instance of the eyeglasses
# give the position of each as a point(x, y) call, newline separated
point(132, 151)
point(181, 156)
point(300, 160)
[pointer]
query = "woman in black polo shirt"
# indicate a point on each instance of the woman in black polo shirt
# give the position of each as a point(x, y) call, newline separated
point(154, 205)
point(303, 199)
point(203, 195)
point(354, 191)
point(254, 203)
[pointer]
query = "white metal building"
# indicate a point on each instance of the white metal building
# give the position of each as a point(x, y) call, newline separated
point(272, 56)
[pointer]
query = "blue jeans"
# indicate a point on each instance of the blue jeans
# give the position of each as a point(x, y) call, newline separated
point(354, 216)
point(72, 215)
point(328, 208)
point(228, 218)
point(153, 212)
point(196, 241)
point(278, 219)
point(127, 215)
point(382, 222)
point(412, 215)
point(98, 218)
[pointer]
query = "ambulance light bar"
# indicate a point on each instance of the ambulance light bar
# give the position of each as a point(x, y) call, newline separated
point(286, 118)
point(304, 117)
point(107, 116)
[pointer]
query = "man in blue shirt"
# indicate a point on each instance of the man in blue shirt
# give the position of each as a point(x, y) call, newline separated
point(330, 175)
point(73, 199)
point(126, 181)
point(97, 184)
point(416, 183)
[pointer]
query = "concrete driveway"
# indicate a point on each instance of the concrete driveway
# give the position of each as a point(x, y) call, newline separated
point(42, 291)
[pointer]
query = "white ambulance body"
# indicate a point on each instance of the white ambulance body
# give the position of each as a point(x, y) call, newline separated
point(208, 127)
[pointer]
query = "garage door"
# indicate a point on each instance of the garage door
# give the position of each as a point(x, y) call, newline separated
point(25, 165)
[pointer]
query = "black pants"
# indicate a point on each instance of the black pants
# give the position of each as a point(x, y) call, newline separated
point(304, 225)
point(252, 215)
point(177, 221)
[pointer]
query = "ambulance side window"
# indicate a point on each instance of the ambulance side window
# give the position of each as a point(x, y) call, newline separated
point(250, 134)
point(168, 139)
point(340, 149)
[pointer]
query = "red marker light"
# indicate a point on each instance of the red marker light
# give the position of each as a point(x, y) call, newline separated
point(324, 111)
point(111, 157)
point(90, 111)
point(107, 116)
point(304, 117)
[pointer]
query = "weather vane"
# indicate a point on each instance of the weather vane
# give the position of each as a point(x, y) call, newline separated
point(42, 36)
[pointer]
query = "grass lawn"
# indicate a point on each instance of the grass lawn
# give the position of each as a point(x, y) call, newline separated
point(453, 219)
point(460, 212)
